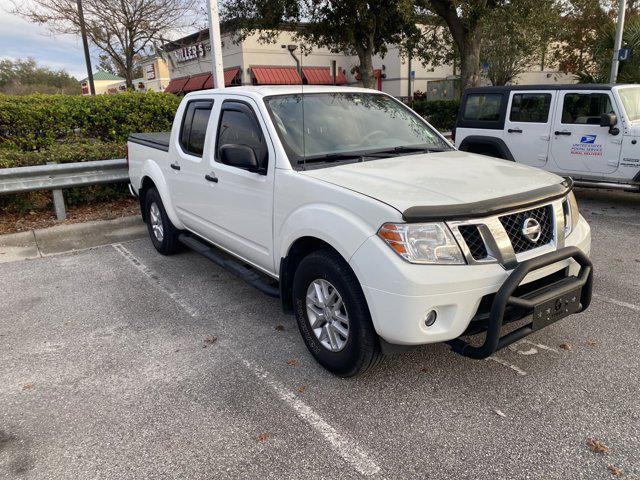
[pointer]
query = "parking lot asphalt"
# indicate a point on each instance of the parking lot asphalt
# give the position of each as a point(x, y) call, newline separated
point(119, 363)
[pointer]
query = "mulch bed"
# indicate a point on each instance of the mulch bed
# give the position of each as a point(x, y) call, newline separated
point(13, 222)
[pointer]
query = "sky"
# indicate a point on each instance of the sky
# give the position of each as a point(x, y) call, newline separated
point(21, 39)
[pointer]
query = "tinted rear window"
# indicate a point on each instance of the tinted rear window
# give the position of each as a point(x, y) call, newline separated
point(530, 107)
point(483, 107)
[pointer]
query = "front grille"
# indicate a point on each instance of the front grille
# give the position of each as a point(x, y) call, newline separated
point(513, 225)
point(474, 241)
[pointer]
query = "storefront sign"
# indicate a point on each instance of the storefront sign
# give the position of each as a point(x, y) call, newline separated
point(150, 71)
point(192, 52)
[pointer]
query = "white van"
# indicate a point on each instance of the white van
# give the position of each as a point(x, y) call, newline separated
point(588, 132)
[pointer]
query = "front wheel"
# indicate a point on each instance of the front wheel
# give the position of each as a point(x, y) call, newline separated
point(333, 316)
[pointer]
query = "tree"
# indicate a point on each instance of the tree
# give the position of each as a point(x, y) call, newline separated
point(359, 27)
point(518, 36)
point(582, 21)
point(122, 30)
point(598, 69)
point(26, 76)
point(464, 20)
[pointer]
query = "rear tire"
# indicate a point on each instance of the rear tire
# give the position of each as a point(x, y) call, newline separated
point(333, 316)
point(164, 235)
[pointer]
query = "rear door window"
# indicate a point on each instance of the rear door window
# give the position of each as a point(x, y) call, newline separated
point(483, 107)
point(585, 108)
point(530, 107)
point(194, 127)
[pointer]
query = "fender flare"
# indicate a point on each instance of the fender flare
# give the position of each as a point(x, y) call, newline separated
point(494, 142)
point(152, 170)
point(306, 221)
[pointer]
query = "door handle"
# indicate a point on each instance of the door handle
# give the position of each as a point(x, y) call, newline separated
point(211, 178)
point(514, 130)
point(175, 166)
point(557, 132)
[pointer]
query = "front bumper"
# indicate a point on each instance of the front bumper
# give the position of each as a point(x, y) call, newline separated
point(400, 294)
point(557, 294)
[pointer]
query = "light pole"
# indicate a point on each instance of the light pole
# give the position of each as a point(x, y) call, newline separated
point(85, 44)
point(216, 44)
point(622, 6)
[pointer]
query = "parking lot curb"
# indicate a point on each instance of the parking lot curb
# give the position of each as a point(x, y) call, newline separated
point(69, 238)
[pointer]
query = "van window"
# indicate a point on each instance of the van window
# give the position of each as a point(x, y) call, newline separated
point(530, 107)
point(194, 127)
point(483, 107)
point(585, 108)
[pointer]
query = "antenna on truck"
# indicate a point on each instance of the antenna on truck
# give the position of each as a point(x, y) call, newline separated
point(292, 48)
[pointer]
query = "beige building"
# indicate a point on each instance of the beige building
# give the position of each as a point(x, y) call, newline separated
point(155, 75)
point(252, 62)
point(102, 81)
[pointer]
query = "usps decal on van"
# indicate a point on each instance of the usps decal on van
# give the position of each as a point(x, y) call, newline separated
point(587, 146)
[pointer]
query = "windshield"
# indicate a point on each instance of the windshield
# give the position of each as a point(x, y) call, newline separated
point(347, 126)
point(631, 101)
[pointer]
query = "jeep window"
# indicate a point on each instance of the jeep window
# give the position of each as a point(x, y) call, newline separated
point(344, 126)
point(631, 101)
point(530, 107)
point(483, 107)
point(585, 108)
point(194, 127)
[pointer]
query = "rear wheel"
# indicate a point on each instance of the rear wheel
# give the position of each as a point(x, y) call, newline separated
point(164, 235)
point(333, 316)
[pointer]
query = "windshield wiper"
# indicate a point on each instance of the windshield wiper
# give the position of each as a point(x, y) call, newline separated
point(331, 157)
point(399, 150)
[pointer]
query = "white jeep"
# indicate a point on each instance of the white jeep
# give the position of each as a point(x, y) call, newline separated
point(588, 132)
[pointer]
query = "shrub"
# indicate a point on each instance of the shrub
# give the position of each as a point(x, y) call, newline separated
point(442, 114)
point(33, 122)
point(62, 153)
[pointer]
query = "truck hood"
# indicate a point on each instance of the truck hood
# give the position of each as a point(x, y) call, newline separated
point(436, 179)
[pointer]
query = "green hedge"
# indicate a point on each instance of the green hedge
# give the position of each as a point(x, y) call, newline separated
point(63, 153)
point(442, 114)
point(33, 122)
point(36, 129)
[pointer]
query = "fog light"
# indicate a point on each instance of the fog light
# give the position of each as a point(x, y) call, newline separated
point(431, 318)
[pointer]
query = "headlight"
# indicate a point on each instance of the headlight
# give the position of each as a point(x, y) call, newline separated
point(571, 214)
point(422, 242)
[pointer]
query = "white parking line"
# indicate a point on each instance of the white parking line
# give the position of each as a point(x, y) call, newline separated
point(344, 446)
point(501, 361)
point(630, 306)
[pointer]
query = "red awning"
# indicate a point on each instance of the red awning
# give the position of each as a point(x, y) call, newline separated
point(322, 76)
point(229, 75)
point(196, 82)
point(275, 76)
point(176, 85)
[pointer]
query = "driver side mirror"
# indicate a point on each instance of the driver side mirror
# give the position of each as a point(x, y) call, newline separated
point(240, 156)
point(610, 120)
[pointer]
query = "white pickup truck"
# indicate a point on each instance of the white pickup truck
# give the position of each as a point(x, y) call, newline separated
point(590, 132)
point(365, 221)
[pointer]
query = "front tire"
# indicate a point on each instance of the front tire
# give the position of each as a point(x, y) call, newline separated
point(164, 235)
point(333, 316)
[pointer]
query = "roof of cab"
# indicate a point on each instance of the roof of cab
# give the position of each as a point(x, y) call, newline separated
point(267, 90)
point(552, 86)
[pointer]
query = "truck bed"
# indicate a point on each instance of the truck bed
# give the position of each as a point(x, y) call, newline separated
point(157, 140)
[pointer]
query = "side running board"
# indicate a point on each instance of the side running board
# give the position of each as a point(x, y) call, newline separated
point(238, 269)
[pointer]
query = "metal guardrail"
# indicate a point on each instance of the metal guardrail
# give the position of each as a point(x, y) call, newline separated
point(64, 175)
